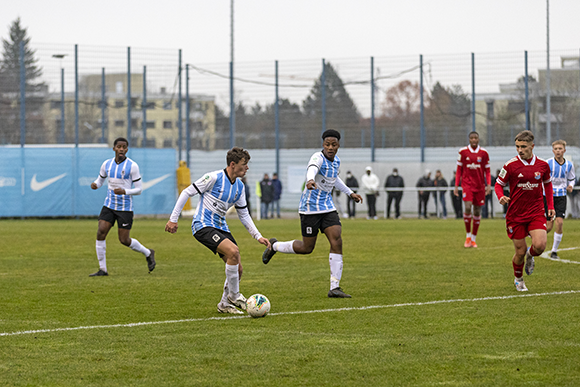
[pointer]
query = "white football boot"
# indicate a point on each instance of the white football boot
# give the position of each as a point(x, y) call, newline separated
point(239, 301)
point(520, 285)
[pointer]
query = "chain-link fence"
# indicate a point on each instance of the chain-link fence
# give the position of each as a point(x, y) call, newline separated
point(88, 94)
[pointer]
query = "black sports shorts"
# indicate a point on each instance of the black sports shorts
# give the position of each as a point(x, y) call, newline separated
point(124, 218)
point(211, 237)
point(312, 223)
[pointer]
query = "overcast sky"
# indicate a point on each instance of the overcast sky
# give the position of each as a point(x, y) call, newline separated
point(301, 29)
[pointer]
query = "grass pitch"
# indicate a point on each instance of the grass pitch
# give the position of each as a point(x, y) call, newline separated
point(425, 311)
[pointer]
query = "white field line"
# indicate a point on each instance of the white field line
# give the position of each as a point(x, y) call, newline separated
point(546, 255)
point(130, 325)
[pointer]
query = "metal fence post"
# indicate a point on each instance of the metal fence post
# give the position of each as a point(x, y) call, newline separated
point(323, 96)
point(144, 108)
point(76, 95)
point(22, 96)
point(103, 105)
point(472, 92)
point(527, 91)
point(187, 119)
point(372, 109)
point(129, 123)
point(277, 122)
point(422, 109)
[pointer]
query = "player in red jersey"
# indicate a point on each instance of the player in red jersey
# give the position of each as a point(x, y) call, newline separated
point(528, 178)
point(474, 174)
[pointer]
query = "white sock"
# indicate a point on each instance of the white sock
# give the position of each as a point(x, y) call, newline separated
point(557, 240)
point(468, 235)
point(233, 280)
point(335, 261)
point(224, 299)
point(101, 247)
point(136, 246)
point(473, 237)
point(284, 247)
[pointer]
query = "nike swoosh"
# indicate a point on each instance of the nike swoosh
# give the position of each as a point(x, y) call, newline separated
point(151, 183)
point(37, 186)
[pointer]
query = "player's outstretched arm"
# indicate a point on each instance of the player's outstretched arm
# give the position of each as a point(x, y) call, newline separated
point(356, 197)
point(171, 227)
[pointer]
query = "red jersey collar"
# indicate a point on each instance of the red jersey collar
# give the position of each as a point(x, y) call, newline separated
point(532, 162)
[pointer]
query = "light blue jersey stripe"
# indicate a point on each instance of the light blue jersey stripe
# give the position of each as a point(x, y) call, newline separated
point(213, 204)
point(320, 200)
point(119, 171)
point(562, 176)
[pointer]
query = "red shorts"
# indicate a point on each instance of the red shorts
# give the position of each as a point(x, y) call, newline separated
point(522, 230)
point(476, 197)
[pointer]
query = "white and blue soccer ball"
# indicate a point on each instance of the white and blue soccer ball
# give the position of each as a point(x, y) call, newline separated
point(258, 305)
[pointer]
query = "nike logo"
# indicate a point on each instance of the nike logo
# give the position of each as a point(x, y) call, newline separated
point(125, 224)
point(151, 183)
point(37, 186)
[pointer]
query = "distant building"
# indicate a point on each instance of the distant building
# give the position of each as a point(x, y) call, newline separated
point(162, 110)
point(500, 116)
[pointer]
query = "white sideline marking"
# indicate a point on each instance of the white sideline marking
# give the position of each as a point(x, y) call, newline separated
point(290, 313)
point(546, 255)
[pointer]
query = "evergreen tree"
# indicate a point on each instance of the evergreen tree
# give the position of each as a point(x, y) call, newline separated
point(341, 111)
point(10, 89)
point(10, 63)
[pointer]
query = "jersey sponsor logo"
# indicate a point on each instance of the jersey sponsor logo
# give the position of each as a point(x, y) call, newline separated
point(537, 175)
point(7, 181)
point(39, 185)
point(473, 166)
point(151, 183)
point(527, 186)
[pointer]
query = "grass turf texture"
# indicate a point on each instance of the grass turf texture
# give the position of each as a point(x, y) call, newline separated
point(44, 284)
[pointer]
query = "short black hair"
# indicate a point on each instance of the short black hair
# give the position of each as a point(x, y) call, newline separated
point(331, 133)
point(120, 139)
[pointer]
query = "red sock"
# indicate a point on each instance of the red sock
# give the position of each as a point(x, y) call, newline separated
point(467, 221)
point(533, 252)
point(476, 221)
point(518, 269)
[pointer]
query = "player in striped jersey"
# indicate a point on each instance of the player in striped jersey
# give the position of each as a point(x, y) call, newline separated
point(317, 211)
point(528, 178)
point(124, 182)
point(219, 191)
point(563, 179)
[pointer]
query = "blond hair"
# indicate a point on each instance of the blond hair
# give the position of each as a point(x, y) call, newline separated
point(559, 142)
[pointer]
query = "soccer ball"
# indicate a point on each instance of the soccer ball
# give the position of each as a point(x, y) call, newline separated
point(258, 305)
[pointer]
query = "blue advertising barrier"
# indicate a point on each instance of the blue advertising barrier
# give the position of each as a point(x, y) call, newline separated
point(51, 181)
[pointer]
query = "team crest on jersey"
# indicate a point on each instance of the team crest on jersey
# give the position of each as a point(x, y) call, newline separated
point(479, 159)
point(123, 172)
point(537, 175)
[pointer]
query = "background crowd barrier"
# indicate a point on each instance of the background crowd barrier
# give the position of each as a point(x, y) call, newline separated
point(55, 181)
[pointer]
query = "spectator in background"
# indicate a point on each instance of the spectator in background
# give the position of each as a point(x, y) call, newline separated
point(370, 187)
point(277, 184)
point(351, 183)
point(423, 196)
point(267, 189)
point(487, 209)
point(441, 184)
point(456, 200)
point(394, 181)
